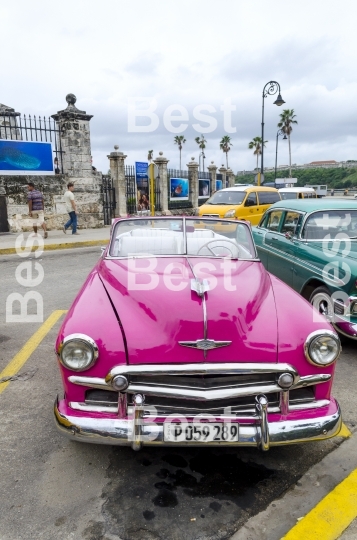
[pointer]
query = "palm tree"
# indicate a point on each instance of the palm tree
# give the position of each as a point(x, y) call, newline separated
point(225, 145)
point(202, 145)
point(150, 155)
point(256, 143)
point(285, 124)
point(180, 141)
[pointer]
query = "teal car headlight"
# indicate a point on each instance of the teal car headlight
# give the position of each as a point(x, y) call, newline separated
point(322, 348)
point(78, 352)
point(230, 213)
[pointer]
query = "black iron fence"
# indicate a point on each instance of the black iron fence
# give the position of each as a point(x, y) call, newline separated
point(32, 128)
point(109, 202)
point(137, 192)
point(131, 194)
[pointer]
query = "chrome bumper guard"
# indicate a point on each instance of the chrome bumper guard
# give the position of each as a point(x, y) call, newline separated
point(136, 431)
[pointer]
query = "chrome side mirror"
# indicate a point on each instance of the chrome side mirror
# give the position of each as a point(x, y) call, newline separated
point(102, 249)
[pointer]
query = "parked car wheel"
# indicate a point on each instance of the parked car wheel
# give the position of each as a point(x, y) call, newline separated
point(321, 300)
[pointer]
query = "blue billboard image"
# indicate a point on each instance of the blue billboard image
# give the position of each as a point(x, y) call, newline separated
point(179, 189)
point(25, 157)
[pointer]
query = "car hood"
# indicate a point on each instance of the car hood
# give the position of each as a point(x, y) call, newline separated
point(157, 312)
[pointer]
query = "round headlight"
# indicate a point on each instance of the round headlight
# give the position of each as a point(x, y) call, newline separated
point(322, 348)
point(353, 308)
point(78, 352)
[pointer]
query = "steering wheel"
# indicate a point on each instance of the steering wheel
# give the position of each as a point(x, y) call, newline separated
point(220, 246)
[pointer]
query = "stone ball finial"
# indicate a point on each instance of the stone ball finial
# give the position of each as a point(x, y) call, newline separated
point(161, 153)
point(212, 162)
point(192, 159)
point(116, 147)
point(71, 99)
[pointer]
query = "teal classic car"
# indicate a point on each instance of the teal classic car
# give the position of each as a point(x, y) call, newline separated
point(312, 246)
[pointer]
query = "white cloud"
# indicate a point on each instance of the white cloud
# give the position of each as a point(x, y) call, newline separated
point(188, 53)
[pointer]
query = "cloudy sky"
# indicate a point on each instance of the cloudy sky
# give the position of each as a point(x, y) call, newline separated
point(204, 62)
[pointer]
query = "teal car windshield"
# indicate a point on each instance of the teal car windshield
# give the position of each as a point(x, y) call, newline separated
point(328, 224)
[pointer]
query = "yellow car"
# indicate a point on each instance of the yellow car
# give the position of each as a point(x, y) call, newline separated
point(241, 202)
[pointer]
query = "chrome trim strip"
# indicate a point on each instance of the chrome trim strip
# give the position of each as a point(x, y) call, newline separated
point(203, 395)
point(119, 431)
point(262, 406)
point(231, 368)
point(284, 402)
point(309, 380)
point(312, 405)
point(137, 413)
point(92, 382)
point(122, 405)
point(77, 406)
point(248, 412)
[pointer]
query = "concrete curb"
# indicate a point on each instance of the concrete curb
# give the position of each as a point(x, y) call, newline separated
point(282, 514)
point(62, 245)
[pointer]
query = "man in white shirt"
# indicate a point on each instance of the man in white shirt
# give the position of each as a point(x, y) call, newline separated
point(71, 209)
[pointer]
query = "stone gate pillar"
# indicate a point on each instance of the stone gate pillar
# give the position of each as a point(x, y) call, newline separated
point(230, 177)
point(74, 133)
point(212, 169)
point(193, 182)
point(8, 123)
point(223, 172)
point(117, 170)
point(161, 163)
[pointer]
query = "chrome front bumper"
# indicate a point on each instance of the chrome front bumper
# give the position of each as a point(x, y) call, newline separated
point(136, 431)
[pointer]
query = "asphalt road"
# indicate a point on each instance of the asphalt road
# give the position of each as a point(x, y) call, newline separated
point(52, 488)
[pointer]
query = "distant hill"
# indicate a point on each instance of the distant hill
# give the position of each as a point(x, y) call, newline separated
point(339, 178)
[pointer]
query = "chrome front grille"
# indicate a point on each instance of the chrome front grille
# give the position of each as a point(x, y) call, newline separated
point(199, 388)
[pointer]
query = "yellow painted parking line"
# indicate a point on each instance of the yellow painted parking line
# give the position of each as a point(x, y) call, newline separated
point(344, 432)
point(30, 346)
point(331, 516)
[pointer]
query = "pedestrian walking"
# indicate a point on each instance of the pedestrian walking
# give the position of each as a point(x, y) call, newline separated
point(332, 192)
point(36, 208)
point(71, 209)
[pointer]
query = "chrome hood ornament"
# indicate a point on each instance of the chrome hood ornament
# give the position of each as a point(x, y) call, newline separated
point(204, 344)
point(200, 287)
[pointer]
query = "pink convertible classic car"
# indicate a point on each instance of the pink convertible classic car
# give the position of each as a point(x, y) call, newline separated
point(179, 336)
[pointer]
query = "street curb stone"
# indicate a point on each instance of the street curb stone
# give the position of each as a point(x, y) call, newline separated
point(63, 245)
point(282, 514)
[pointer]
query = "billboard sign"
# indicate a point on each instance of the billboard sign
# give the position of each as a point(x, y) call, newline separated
point(25, 157)
point(219, 185)
point(179, 189)
point(203, 188)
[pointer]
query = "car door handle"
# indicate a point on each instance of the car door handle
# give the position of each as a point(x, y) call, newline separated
point(274, 238)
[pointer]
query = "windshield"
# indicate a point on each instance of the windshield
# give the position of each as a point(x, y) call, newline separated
point(288, 195)
point(330, 224)
point(188, 236)
point(227, 197)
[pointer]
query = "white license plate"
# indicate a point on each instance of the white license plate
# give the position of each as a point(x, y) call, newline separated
point(200, 432)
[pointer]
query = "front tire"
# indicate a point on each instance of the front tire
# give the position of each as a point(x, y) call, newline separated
point(322, 301)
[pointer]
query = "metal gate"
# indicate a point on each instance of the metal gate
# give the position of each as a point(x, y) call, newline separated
point(109, 202)
point(130, 190)
point(4, 225)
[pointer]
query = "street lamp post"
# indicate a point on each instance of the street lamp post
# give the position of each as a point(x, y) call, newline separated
point(271, 88)
point(278, 133)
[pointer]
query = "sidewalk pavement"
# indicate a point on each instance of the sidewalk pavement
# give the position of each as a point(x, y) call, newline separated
point(57, 239)
point(321, 506)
